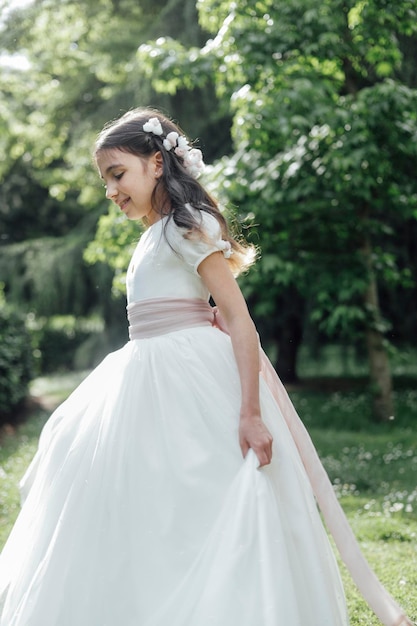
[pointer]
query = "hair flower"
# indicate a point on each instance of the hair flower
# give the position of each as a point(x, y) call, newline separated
point(171, 140)
point(193, 161)
point(182, 147)
point(153, 126)
point(192, 158)
point(181, 152)
point(182, 143)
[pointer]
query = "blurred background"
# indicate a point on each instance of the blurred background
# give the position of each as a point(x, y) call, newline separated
point(306, 113)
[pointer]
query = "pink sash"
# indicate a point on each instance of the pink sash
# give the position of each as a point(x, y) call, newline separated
point(159, 316)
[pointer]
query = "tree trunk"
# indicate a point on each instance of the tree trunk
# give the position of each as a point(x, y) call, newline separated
point(379, 369)
point(289, 340)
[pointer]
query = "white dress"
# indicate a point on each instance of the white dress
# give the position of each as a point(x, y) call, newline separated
point(139, 509)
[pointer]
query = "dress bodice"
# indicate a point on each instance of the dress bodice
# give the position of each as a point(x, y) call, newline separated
point(166, 259)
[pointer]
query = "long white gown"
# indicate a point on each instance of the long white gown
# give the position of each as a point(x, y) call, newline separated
point(139, 509)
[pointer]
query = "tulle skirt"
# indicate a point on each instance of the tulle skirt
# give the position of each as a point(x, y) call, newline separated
point(139, 509)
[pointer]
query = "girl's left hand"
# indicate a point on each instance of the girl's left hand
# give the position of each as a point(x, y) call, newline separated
point(254, 434)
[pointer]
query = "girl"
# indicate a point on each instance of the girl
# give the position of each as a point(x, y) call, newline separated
point(146, 504)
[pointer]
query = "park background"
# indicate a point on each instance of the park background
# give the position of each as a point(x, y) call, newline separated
point(306, 112)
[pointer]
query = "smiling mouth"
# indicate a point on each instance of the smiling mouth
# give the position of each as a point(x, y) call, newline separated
point(124, 203)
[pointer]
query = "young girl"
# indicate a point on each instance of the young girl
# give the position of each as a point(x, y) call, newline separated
point(175, 486)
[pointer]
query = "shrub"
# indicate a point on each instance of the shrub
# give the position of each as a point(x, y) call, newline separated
point(15, 361)
point(59, 338)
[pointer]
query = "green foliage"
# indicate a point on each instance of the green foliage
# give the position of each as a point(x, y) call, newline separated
point(322, 95)
point(57, 341)
point(324, 138)
point(76, 78)
point(70, 81)
point(114, 243)
point(49, 273)
point(15, 360)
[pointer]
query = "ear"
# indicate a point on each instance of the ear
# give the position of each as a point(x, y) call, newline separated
point(158, 163)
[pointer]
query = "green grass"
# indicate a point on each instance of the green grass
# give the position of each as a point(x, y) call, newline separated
point(373, 468)
point(18, 446)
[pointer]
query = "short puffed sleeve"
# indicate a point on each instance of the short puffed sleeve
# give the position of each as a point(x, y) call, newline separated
point(195, 247)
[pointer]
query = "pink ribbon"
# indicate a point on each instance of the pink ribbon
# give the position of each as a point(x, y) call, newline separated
point(158, 316)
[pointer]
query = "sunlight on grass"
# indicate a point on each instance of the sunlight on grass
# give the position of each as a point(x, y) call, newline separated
point(57, 387)
point(394, 564)
point(17, 448)
point(16, 452)
point(373, 468)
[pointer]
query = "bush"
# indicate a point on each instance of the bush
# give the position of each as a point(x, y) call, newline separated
point(15, 361)
point(58, 340)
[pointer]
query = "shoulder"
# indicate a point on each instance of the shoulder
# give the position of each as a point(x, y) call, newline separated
point(207, 227)
point(210, 226)
point(207, 223)
point(194, 245)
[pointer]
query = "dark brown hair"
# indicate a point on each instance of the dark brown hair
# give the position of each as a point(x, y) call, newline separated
point(176, 188)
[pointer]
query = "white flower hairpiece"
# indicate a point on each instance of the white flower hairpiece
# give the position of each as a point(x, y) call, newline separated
point(153, 126)
point(192, 157)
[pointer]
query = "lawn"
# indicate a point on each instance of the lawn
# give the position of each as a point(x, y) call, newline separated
point(374, 472)
point(373, 468)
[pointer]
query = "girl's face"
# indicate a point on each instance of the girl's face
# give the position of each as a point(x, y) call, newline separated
point(130, 182)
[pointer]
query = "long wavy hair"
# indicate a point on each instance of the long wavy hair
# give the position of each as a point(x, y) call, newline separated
point(176, 188)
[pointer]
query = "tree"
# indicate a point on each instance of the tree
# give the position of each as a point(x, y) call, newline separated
point(324, 133)
point(74, 79)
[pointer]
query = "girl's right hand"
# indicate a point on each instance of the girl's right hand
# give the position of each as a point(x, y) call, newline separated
point(254, 434)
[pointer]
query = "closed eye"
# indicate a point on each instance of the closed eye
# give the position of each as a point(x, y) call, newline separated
point(118, 176)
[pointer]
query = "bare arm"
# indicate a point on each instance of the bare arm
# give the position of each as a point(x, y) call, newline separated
point(219, 280)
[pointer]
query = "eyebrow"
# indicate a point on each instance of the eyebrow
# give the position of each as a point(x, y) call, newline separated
point(113, 167)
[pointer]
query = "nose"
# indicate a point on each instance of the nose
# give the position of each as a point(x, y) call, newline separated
point(111, 191)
